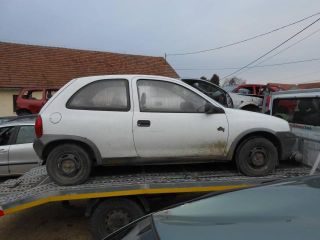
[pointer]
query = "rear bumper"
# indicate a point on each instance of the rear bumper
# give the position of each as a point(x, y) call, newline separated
point(38, 147)
point(287, 144)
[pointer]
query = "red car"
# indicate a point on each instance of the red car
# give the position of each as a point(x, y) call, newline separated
point(256, 89)
point(31, 100)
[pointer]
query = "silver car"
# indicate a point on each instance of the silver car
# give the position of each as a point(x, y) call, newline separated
point(16, 152)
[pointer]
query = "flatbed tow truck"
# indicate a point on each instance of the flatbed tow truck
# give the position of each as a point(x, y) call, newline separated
point(135, 186)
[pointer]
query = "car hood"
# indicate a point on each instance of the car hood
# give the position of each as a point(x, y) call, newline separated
point(281, 211)
point(241, 119)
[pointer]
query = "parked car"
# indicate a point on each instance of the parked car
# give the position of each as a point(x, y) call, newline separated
point(231, 100)
point(31, 100)
point(133, 119)
point(16, 152)
point(286, 210)
point(211, 90)
point(301, 108)
point(255, 89)
point(258, 90)
point(6, 119)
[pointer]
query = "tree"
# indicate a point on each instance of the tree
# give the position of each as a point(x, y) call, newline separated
point(203, 78)
point(215, 79)
point(234, 81)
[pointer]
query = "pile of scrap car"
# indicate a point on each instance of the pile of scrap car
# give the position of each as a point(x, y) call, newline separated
point(143, 120)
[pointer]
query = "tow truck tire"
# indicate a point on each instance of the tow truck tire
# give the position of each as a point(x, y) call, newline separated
point(68, 164)
point(257, 157)
point(112, 214)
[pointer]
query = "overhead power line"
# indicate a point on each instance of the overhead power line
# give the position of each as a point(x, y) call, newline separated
point(255, 66)
point(282, 50)
point(273, 49)
point(242, 41)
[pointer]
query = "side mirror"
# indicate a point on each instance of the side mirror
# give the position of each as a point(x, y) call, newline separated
point(210, 109)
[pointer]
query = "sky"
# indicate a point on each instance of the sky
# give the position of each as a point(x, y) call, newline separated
point(159, 27)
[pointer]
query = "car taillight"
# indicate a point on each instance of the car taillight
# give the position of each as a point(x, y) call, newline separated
point(38, 127)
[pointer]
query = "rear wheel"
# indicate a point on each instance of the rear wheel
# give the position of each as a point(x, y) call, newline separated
point(256, 157)
point(112, 214)
point(68, 164)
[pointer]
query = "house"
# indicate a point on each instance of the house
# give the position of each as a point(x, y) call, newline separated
point(24, 65)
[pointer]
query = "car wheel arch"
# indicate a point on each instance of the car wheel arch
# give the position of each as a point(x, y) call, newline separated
point(254, 134)
point(85, 144)
point(250, 107)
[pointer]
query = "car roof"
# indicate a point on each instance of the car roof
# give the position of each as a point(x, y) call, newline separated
point(39, 88)
point(126, 76)
point(198, 80)
point(20, 120)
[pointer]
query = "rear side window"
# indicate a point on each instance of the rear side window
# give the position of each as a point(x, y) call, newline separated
point(26, 134)
point(104, 95)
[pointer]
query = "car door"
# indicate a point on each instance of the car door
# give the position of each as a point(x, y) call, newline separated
point(169, 121)
point(6, 136)
point(22, 157)
point(102, 112)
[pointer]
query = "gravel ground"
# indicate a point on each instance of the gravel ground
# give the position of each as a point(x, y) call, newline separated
point(50, 222)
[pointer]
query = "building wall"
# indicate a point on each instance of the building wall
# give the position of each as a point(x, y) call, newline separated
point(6, 101)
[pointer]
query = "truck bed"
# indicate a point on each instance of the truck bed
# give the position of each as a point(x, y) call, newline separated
point(35, 187)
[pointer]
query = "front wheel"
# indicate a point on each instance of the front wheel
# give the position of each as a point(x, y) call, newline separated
point(257, 157)
point(68, 164)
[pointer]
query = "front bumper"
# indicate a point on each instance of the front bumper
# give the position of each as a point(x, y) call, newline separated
point(288, 142)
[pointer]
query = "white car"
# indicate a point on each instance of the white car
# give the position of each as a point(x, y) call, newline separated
point(141, 119)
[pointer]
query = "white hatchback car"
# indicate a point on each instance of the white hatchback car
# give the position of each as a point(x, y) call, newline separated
point(141, 119)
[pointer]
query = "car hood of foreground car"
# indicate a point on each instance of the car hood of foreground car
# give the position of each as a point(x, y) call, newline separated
point(242, 119)
point(288, 210)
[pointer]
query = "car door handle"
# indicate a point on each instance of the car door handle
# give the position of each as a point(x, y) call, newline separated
point(3, 150)
point(143, 123)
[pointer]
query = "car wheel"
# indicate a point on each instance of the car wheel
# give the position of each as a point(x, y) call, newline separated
point(256, 157)
point(112, 214)
point(68, 164)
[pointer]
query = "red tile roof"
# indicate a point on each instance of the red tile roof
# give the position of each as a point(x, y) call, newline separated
point(29, 66)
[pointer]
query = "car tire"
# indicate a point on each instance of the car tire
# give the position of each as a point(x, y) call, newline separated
point(112, 214)
point(257, 157)
point(68, 164)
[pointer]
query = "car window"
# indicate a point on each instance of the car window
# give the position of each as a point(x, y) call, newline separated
point(107, 95)
point(212, 91)
point(32, 94)
point(5, 135)
point(298, 110)
point(245, 91)
point(26, 134)
point(161, 96)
